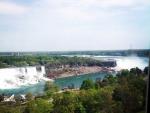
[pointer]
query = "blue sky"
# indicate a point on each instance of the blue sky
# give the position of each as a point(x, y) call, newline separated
point(49, 25)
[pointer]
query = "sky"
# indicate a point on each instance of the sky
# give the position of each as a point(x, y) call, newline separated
point(70, 25)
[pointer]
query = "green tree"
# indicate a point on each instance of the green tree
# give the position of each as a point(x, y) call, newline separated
point(87, 84)
point(29, 96)
point(79, 108)
point(96, 101)
point(131, 92)
point(64, 103)
point(1, 97)
point(50, 88)
point(38, 106)
point(136, 71)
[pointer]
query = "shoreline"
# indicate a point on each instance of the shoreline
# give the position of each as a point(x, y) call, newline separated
point(77, 71)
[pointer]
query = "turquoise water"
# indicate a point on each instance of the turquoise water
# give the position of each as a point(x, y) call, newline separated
point(38, 89)
point(77, 80)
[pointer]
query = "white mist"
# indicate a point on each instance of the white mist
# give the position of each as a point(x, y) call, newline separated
point(16, 77)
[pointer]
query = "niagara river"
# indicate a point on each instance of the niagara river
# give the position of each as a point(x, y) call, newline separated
point(35, 84)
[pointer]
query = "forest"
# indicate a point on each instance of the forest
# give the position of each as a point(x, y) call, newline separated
point(51, 61)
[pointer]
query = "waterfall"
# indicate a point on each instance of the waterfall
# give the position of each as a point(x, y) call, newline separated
point(21, 76)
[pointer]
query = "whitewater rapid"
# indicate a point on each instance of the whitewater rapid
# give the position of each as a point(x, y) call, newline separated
point(126, 62)
point(22, 76)
point(131, 62)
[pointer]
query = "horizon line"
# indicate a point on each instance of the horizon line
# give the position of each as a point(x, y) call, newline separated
point(43, 51)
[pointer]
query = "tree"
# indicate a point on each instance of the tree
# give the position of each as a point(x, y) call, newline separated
point(38, 106)
point(146, 70)
point(96, 100)
point(64, 103)
point(110, 79)
point(87, 84)
point(131, 92)
point(3, 65)
point(50, 88)
point(5, 108)
point(29, 97)
point(1, 97)
point(79, 108)
point(136, 71)
point(124, 72)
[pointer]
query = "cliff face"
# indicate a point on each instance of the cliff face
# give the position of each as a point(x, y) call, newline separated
point(16, 77)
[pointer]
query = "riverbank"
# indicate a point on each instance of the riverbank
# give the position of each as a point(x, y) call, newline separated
point(76, 71)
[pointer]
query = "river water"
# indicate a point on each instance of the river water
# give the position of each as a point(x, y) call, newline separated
point(122, 63)
point(76, 81)
point(37, 89)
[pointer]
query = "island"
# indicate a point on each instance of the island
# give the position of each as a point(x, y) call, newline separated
point(60, 66)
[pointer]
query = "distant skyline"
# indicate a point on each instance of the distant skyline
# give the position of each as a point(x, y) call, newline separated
point(74, 25)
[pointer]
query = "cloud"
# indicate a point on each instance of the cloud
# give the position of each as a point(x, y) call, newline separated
point(89, 10)
point(116, 3)
point(76, 24)
point(12, 8)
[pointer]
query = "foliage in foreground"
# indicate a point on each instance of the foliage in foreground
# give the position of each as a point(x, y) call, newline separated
point(124, 93)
